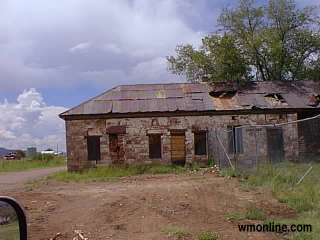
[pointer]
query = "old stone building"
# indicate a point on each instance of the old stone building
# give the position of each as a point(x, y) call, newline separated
point(178, 123)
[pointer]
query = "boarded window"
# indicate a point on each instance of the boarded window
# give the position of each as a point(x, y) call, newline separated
point(235, 140)
point(93, 148)
point(154, 146)
point(200, 143)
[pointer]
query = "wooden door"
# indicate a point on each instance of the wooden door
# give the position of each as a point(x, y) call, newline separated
point(178, 148)
point(275, 144)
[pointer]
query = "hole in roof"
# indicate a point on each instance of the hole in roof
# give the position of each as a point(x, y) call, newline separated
point(314, 100)
point(275, 97)
point(255, 107)
point(222, 94)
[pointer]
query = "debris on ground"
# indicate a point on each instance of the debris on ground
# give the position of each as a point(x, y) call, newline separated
point(208, 170)
point(56, 237)
point(79, 235)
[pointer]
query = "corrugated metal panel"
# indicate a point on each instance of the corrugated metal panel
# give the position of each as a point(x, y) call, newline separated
point(223, 104)
point(296, 100)
point(172, 104)
point(96, 107)
point(77, 110)
point(252, 100)
point(195, 97)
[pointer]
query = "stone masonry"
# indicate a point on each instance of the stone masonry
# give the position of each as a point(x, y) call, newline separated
point(135, 142)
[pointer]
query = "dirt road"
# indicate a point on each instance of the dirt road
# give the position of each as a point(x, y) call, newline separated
point(16, 180)
point(144, 207)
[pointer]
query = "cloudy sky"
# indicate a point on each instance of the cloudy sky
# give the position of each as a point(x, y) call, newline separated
point(56, 55)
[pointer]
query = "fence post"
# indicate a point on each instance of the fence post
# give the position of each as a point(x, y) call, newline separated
point(256, 156)
point(306, 173)
point(235, 147)
point(217, 152)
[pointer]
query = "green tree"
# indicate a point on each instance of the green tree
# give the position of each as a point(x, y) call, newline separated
point(219, 58)
point(276, 41)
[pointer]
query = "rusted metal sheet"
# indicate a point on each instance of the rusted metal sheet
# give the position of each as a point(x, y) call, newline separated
point(96, 107)
point(200, 97)
point(172, 104)
point(247, 101)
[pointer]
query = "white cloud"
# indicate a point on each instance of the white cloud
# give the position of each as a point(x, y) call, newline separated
point(30, 122)
point(154, 70)
point(112, 48)
point(51, 46)
point(6, 135)
point(30, 99)
point(80, 46)
point(47, 44)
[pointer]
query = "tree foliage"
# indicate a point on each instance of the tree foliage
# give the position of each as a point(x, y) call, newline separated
point(276, 41)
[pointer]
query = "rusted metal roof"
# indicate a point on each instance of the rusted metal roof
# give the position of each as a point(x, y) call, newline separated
point(198, 97)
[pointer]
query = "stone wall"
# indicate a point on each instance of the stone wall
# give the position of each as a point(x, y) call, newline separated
point(136, 145)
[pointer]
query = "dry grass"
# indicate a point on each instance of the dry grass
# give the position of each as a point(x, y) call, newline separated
point(26, 164)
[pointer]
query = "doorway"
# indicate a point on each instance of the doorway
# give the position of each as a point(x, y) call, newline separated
point(275, 144)
point(93, 148)
point(116, 149)
point(178, 148)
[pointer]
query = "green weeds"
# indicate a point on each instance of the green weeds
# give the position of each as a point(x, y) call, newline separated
point(108, 173)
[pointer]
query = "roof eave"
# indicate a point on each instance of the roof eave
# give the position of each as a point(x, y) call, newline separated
point(186, 113)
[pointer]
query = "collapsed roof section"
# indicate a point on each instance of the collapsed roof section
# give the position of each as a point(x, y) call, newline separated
point(197, 97)
point(271, 95)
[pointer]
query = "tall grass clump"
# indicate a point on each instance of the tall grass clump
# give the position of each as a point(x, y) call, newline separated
point(282, 179)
